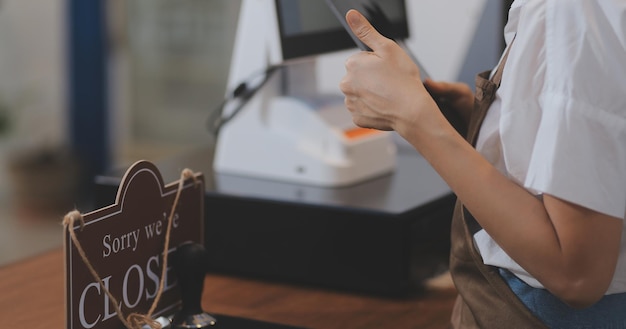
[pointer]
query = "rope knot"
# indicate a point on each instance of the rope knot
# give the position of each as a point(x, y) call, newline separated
point(187, 174)
point(73, 216)
point(137, 321)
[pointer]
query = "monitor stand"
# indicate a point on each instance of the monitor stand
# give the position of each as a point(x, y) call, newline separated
point(381, 236)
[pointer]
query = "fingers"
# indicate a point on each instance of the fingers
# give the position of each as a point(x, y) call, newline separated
point(446, 89)
point(437, 87)
point(364, 30)
point(361, 113)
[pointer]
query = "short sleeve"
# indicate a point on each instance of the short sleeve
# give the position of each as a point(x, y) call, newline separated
point(569, 105)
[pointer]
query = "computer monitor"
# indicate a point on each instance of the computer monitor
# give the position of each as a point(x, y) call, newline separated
point(309, 27)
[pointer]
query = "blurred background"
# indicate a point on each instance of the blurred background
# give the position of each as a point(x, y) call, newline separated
point(87, 86)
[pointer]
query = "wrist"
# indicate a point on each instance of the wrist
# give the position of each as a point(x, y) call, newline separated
point(424, 124)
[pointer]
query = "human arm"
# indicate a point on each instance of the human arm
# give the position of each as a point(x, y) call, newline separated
point(555, 241)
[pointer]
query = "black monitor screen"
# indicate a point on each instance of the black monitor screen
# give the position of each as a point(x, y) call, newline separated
point(309, 27)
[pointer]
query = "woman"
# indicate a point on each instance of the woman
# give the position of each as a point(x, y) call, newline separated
point(538, 234)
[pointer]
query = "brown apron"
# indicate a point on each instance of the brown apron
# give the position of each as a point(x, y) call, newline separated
point(485, 300)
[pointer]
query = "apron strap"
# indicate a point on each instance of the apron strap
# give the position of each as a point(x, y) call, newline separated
point(486, 88)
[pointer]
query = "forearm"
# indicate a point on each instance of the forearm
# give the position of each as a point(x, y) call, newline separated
point(507, 211)
point(516, 219)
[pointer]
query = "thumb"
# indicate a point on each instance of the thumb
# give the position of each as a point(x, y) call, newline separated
point(364, 30)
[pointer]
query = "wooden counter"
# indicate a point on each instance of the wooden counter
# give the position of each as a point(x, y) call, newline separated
point(32, 296)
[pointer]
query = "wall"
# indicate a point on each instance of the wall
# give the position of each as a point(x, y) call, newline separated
point(453, 41)
point(32, 66)
point(170, 65)
point(32, 77)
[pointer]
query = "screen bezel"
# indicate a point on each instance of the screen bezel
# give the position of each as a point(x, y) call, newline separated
point(317, 43)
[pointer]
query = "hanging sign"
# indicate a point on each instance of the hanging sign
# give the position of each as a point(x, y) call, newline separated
point(124, 245)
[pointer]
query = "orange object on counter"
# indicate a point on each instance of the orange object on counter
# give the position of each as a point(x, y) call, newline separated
point(358, 132)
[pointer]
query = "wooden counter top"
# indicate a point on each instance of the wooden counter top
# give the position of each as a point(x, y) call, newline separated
point(32, 296)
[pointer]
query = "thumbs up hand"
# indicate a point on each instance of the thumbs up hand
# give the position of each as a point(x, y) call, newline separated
point(383, 89)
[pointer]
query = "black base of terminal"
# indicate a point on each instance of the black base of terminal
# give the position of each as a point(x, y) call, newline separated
point(384, 236)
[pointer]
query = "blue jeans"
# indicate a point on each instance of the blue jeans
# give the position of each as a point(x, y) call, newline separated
point(608, 313)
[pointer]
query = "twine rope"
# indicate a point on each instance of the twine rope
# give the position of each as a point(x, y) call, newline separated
point(134, 320)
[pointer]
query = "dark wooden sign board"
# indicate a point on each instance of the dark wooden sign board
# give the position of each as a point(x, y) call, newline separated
point(124, 243)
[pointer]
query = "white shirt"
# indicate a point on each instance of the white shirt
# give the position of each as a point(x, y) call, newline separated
point(558, 124)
